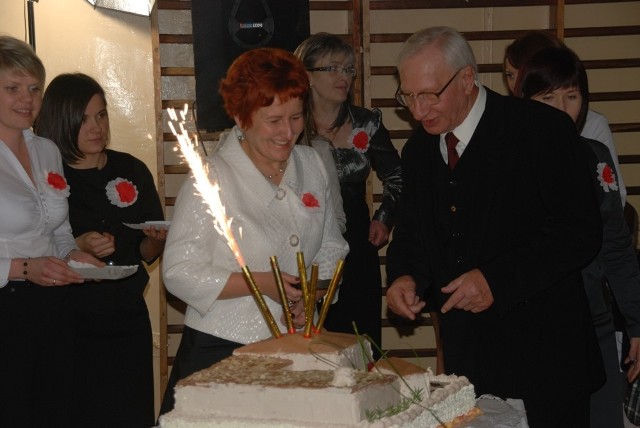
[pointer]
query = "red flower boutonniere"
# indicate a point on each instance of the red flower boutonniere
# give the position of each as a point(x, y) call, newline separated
point(122, 192)
point(310, 201)
point(606, 177)
point(57, 182)
point(359, 139)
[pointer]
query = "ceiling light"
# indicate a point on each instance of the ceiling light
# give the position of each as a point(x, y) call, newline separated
point(138, 7)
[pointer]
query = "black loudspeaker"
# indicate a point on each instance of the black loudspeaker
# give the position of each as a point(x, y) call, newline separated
point(224, 29)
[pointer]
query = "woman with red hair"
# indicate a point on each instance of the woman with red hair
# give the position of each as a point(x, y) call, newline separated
point(279, 197)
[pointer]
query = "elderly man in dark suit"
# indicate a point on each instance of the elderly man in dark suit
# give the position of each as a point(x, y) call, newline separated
point(496, 222)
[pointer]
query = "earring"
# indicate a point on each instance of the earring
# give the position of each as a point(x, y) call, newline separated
point(239, 134)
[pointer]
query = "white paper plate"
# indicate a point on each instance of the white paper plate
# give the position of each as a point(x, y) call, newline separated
point(107, 272)
point(158, 224)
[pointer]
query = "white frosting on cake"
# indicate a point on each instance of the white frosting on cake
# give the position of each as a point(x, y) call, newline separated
point(343, 376)
point(254, 389)
point(323, 351)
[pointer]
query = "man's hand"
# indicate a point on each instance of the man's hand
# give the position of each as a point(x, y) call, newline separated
point(402, 298)
point(378, 233)
point(471, 293)
point(632, 359)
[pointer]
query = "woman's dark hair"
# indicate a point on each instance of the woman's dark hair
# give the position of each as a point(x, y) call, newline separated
point(551, 69)
point(309, 52)
point(63, 107)
point(521, 49)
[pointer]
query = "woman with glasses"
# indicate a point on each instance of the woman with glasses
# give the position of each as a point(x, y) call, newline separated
point(359, 142)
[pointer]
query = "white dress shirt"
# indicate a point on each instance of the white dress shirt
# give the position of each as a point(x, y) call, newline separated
point(34, 217)
point(267, 220)
point(465, 130)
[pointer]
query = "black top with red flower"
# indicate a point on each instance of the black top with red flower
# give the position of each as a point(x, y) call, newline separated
point(616, 264)
point(123, 191)
point(371, 148)
point(360, 291)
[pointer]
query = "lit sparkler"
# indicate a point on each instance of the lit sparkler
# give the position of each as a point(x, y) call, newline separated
point(210, 193)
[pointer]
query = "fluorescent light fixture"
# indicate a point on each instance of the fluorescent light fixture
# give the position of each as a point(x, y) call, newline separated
point(138, 7)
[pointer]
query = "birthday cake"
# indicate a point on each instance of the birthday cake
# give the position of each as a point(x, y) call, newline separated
point(321, 381)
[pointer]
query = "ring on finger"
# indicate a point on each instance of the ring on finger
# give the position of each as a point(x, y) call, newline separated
point(54, 282)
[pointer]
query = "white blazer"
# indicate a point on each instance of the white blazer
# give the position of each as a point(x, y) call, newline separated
point(267, 220)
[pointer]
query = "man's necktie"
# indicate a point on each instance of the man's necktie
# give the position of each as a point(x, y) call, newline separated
point(452, 154)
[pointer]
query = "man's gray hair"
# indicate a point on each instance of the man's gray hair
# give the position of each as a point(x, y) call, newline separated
point(455, 48)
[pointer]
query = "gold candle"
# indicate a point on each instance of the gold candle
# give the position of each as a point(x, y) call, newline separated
point(309, 309)
point(331, 291)
point(255, 291)
point(302, 273)
point(283, 295)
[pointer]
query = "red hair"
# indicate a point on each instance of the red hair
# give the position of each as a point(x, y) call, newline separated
point(257, 76)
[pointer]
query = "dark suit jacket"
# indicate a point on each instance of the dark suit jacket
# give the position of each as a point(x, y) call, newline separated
point(520, 207)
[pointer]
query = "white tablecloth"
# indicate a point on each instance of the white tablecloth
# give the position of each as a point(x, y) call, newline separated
point(499, 413)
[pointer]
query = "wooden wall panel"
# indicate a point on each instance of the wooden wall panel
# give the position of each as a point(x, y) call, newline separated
point(606, 34)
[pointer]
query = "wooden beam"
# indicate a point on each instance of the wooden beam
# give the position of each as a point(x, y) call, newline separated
point(625, 127)
point(177, 71)
point(453, 4)
point(163, 343)
point(174, 4)
point(633, 190)
point(624, 159)
point(623, 30)
point(615, 96)
point(181, 39)
point(330, 5)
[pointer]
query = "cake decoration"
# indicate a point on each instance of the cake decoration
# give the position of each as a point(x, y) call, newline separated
point(319, 382)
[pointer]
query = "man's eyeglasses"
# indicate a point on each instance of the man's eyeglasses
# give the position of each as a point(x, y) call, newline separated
point(424, 98)
point(336, 69)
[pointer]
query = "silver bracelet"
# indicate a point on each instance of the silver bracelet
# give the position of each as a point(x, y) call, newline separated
point(68, 256)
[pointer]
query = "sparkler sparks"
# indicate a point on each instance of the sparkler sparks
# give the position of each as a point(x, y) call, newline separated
point(210, 192)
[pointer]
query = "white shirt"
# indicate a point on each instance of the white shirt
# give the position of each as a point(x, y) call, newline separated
point(267, 220)
point(34, 219)
point(465, 130)
point(597, 128)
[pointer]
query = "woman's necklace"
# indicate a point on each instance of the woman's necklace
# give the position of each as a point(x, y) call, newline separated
point(271, 176)
point(275, 174)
